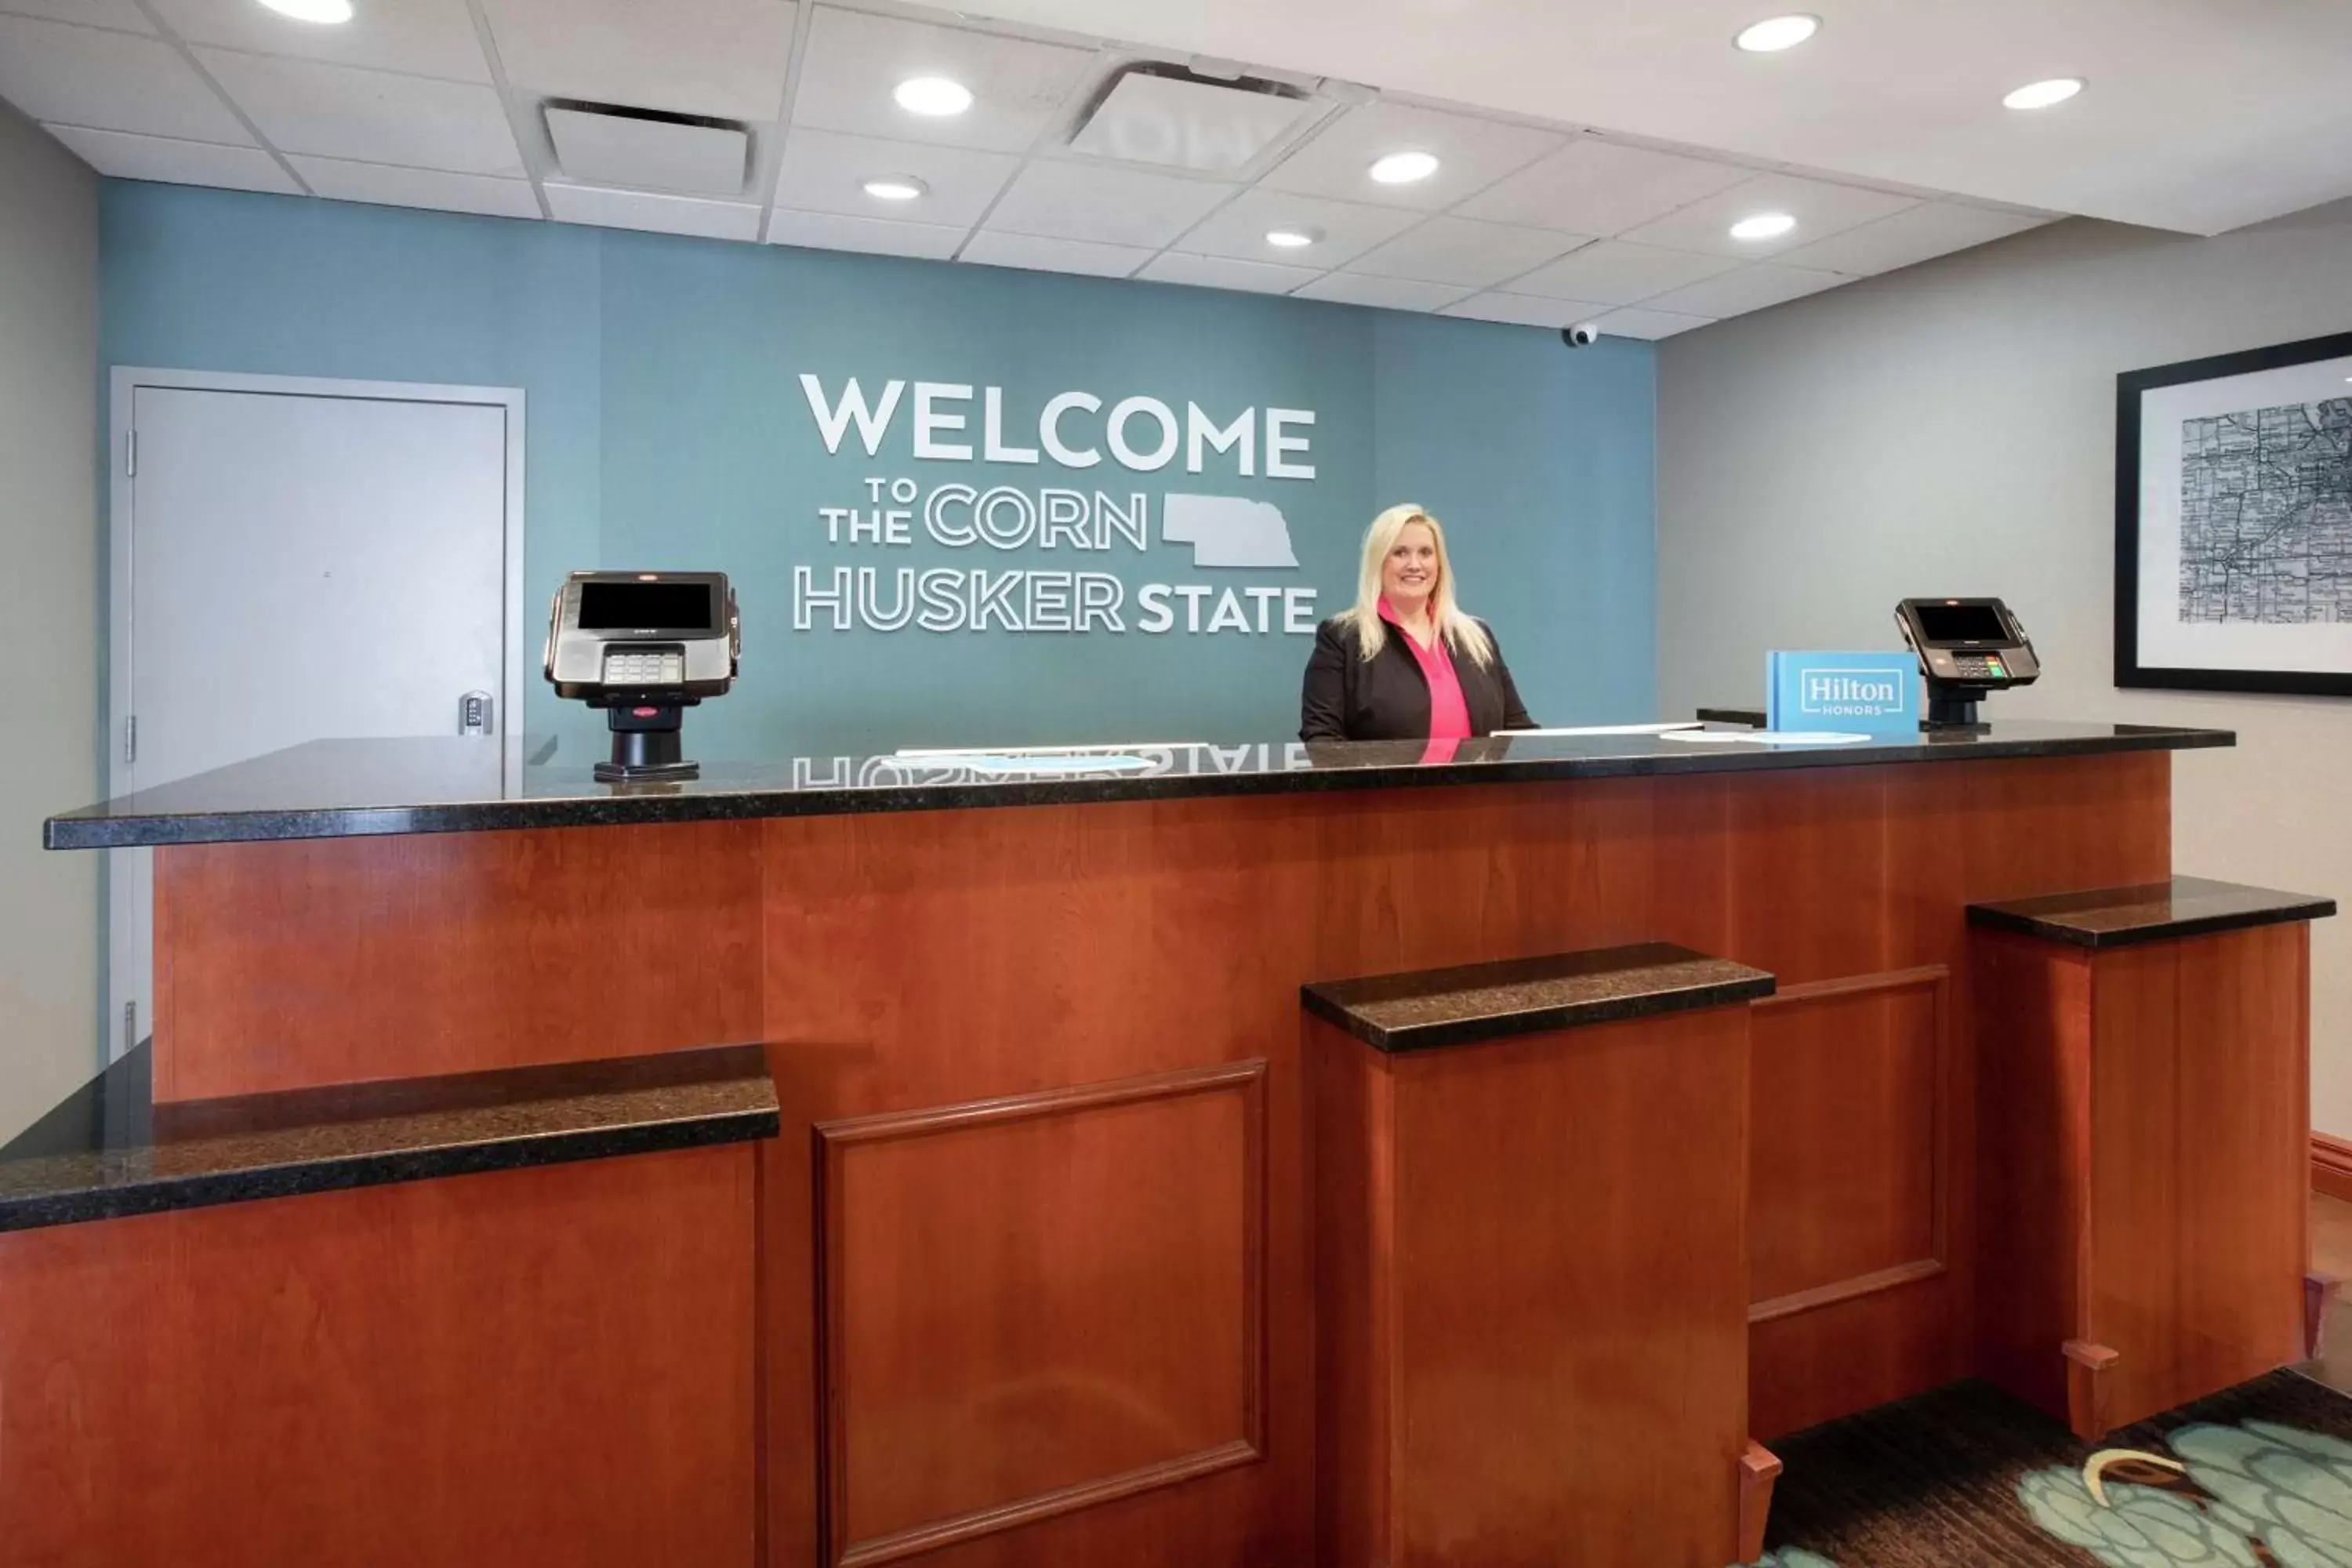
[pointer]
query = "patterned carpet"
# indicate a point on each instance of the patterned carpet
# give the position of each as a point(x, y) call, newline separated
point(1966, 1476)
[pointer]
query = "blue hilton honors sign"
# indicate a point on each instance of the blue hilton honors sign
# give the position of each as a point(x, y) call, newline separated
point(1875, 692)
point(1065, 556)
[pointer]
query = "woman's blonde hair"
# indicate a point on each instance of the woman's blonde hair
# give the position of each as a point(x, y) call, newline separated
point(1462, 634)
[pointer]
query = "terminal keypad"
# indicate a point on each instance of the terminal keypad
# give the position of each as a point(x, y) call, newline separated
point(663, 667)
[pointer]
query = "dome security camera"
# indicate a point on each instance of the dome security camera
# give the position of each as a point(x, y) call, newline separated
point(1584, 335)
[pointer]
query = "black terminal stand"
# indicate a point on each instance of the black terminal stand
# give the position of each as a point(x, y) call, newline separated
point(646, 744)
point(1952, 707)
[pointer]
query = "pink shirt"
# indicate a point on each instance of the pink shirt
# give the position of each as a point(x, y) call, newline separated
point(1449, 716)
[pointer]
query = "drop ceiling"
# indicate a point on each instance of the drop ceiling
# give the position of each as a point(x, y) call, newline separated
point(1592, 181)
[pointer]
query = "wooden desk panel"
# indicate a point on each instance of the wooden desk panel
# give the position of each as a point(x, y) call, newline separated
point(1534, 1304)
point(2145, 1215)
point(291, 964)
point(546, 1368)
point(2200, 1109)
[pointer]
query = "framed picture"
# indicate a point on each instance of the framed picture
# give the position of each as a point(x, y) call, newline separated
point(2233, 521)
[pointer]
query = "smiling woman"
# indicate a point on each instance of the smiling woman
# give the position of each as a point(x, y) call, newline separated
point(1441, 680)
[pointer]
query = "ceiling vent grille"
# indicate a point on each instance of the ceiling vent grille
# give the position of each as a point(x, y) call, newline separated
point(1156, 112)
point(648, 149)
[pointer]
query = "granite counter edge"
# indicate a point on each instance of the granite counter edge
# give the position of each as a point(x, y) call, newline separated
point(77, 832)
point(1476, 1030)
point(341, 1172)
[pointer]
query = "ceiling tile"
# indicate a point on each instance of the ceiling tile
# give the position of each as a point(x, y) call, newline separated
point(1617, 273)
point(1054, 255)
point(386, 185)
point(1471, 153)
point(122, 15)
point(1385, 293)
point(1595, 186)
point(342, 111)
point(1225, 272)
point(826, 171)
point(1820, 209)
point(1746, 289)
point(1461, 251)
point(112, 81)
point(647, 210)
point(1059, 200)
point(1239, 228)
point(129, 157)
point(426, 37)
point(854, 59)
point(1208, 127)
point(1521, 310)
point(880, 236)
point(637, 153)
point(1647, 323)
point(726, 58)
point(1913, 235)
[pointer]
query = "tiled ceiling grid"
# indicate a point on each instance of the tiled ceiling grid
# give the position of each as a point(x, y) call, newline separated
point(435, 103)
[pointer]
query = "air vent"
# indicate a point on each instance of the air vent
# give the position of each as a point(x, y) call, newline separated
point(1153, 112)
point(646, 149)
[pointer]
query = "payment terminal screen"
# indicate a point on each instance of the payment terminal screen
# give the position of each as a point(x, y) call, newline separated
point(1953, 623)
point(646, 606)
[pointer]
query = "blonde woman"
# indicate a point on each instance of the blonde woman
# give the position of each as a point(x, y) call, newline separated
point(1406, 663)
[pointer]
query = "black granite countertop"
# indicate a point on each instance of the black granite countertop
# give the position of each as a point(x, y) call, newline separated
point(109, 1151)
point(449, 785)
point(2151, 911)
point(1429, 1007)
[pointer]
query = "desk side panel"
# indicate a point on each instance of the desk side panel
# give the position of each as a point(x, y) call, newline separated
point(2200, 1059)
point(1570, 1332)
point(545, 1367)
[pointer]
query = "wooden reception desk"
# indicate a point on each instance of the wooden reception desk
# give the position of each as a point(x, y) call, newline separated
point(1031, 1265)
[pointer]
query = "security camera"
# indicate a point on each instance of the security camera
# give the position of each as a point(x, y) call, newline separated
point(1579, 336)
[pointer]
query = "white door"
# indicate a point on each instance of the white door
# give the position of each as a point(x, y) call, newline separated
point(298, 566)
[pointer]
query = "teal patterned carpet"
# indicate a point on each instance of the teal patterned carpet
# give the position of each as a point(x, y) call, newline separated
point(1966, 1476)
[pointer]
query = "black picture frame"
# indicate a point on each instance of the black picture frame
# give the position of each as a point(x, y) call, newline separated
point(2130, 387)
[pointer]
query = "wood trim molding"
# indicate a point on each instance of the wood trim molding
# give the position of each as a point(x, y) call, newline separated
point(835, 1139)
point(1758, 1468)
point(2086, 1387)
point(2331, 1166)
point(1937, 978)
point(1047, 1505)
point(1837, 1291)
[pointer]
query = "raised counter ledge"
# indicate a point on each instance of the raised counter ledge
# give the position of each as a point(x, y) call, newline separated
point(108, 1152)
point(329, 789)
point(1464, 1004)
point(2104, 918)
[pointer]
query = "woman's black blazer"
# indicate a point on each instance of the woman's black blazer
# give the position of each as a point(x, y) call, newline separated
point(1387, 699)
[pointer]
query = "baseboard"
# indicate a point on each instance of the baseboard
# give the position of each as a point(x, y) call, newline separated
point(2331, 1166)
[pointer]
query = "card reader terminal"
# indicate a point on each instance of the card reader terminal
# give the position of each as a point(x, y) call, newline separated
point(1967, 647)
point(643, 645)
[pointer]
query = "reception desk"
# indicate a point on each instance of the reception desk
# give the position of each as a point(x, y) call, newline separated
point(1032, 1265)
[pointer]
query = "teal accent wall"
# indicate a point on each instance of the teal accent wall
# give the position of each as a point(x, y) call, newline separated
point(667, 427)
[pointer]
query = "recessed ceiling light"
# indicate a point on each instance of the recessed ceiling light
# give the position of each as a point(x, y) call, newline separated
point(2042, 94)
point(1778, 33)
point(932, 95)
point(895, 187)
point(1763, 225)
point(1404, 168)
point(1292, 238)
point(313, 10)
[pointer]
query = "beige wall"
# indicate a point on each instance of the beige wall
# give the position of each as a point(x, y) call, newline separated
point(1950, 429)
point(48, 616)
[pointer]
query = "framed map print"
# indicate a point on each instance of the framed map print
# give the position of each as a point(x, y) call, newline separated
point(2233, 521)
